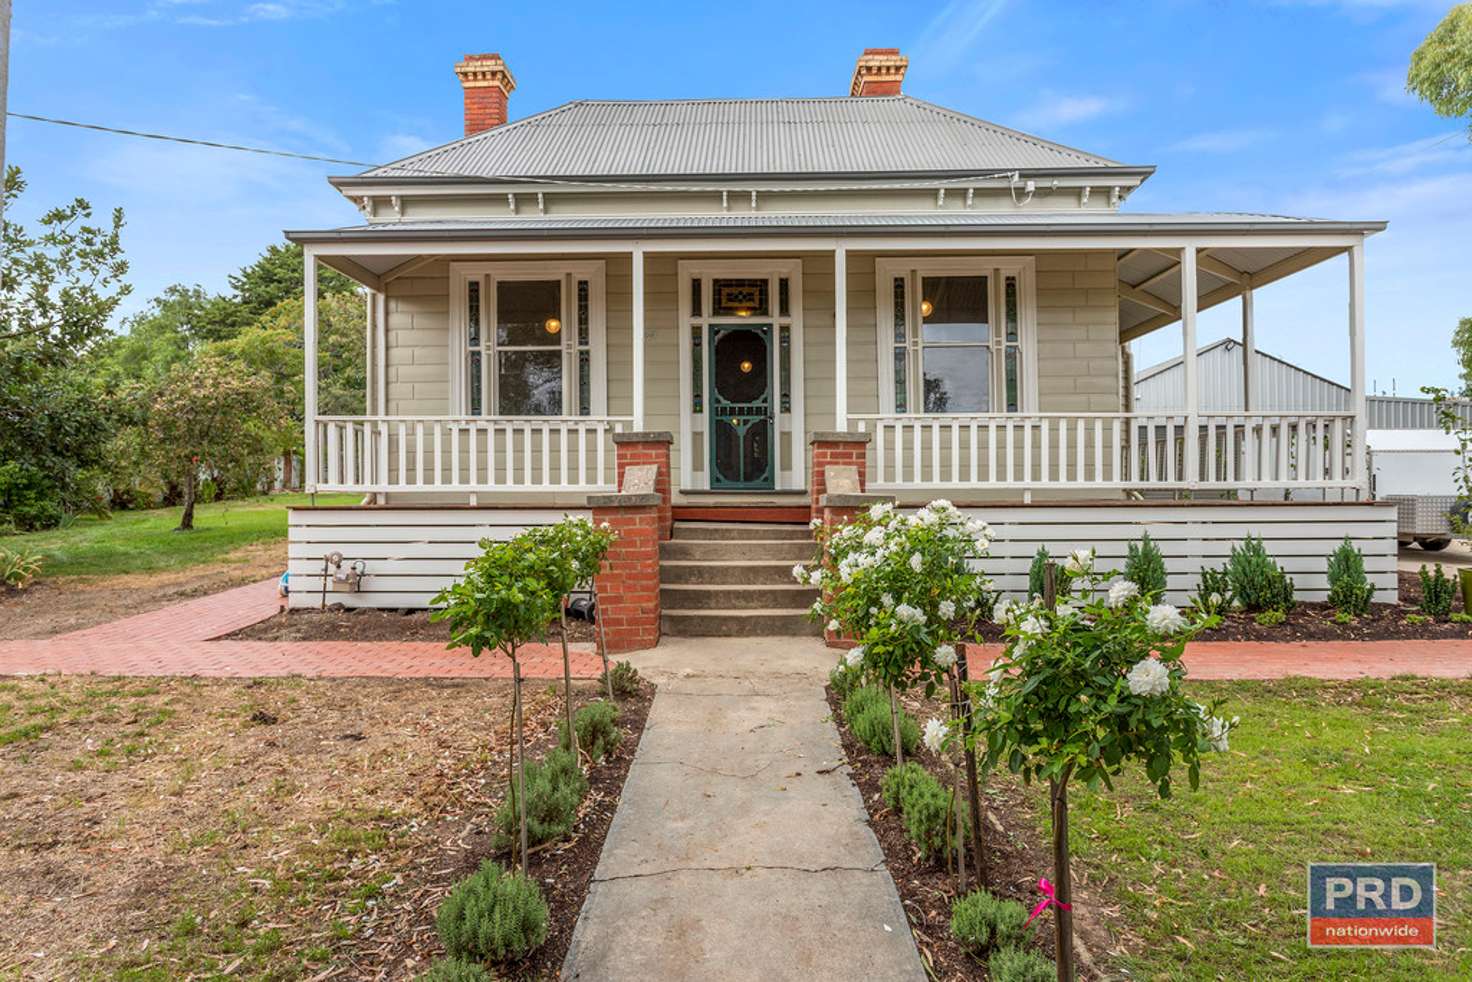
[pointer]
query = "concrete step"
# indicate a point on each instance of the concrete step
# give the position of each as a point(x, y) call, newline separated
point(728, 597)
point(725, 531)
point(737, 550)
point(708, 571)
point(737, 624)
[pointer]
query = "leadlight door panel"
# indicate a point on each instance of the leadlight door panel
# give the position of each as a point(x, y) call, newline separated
point(741, 406)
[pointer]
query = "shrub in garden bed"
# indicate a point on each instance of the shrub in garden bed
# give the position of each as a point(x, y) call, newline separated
point(554, 788)
point(1145, 566)
point(455, 970)
point(844, 679)
point(624, 680)
point(980, 920)
point(1017, 965)
point(1035, 572)
point(872, 725)
point(1436, 593)
point(597, 729)
point(1214, 592)
point(897, 780)
point(1349, 589)
point(492, 915)
point(1258, 583)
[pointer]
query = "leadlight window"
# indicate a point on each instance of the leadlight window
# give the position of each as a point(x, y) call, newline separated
point(784, 367)
point(783, 304)
point(901, 340)
point(739, 298)
point(697, 370)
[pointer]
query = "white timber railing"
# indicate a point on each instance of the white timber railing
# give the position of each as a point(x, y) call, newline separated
point(1029, 451)
point(383, 454)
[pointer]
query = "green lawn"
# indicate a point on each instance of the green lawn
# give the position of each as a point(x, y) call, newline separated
point(145, 541)
point(1212, 884)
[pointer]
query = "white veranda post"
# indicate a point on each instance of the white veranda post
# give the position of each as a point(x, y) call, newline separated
point(1357, 366)
point(1249, 349)
point(840, 338)
point(638, 338)
point(309, 346)
point(1188, 363)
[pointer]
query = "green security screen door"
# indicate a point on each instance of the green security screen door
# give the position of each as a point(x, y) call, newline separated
point(741, 406)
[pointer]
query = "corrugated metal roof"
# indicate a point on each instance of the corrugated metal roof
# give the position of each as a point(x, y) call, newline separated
point(1276, 385)
point(741, 137)
point(1069, 221)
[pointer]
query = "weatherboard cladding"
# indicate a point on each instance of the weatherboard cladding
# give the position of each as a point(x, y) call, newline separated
point(729, 137)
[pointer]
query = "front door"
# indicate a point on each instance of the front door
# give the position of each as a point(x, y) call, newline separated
point(741, 406)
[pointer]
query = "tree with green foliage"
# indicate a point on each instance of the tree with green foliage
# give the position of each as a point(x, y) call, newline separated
point(207, 416)
point(1462, 347)
point(277, 276)
point(1441, 68)
point(505, 600)
point(62, 282)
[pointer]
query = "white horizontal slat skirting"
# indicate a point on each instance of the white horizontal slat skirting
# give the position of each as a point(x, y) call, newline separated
point(409, 554)
point(1299, 537)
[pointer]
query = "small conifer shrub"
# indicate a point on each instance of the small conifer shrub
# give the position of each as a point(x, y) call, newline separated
point(492, 915)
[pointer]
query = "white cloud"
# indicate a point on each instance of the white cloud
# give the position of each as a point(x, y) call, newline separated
point(1221, 141)
point(213, 13)
point(1404, 158)
point(949, 35)
point(1056, 109)
point(397, 146)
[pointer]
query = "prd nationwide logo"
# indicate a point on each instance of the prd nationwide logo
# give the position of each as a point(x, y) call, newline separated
point(1372, 905)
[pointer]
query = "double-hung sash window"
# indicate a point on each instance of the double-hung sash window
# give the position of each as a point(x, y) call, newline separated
point(956, 336)
point(529, 338)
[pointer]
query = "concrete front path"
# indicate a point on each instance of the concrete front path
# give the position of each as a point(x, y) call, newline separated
point(739, 849)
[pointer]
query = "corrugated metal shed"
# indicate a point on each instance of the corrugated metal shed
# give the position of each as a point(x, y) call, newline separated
point(1276, 385)
point(742, 137)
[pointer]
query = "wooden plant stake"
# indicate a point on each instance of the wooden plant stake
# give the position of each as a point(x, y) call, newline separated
point(520, 758)
point(958, 808)
point(1063, 886)
point(572, 734)
point(1058, 798)
point(602, 642)
point(894, 722)
point(973, 789)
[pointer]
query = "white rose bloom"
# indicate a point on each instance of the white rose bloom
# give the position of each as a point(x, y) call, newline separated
point(945, 655)
point(941, 504)
point(906, 614)
point(1164, 619)
point(1003, 611)
point(1215, 599)
point(1079, 561)
point(799, 573)
point(947, 609)
point(887, 599)
point(916, 563)
point(1121, 592)
point(817, 607)
point(1217, 730)
point(815, 578)
point(982, 545)
point(854, 657)
point(877, 512)
point(935, 735)
point(1149, 678)
point(1032, 625)
point(833, 625)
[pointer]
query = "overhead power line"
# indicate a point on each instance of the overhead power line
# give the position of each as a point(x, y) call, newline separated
point(401, 169)
point(184, 139)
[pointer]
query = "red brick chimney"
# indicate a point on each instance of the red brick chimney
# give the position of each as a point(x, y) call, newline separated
point(488, 84)
point(879, 72)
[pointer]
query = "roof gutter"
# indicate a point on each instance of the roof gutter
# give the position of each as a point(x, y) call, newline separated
point(716, 181)
point(387, 233)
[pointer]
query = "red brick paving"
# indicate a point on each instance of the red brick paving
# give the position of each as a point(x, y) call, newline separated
point(176, 641)
point(1219, 660)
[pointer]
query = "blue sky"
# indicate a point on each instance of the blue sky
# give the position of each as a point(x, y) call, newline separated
point(1285, 107)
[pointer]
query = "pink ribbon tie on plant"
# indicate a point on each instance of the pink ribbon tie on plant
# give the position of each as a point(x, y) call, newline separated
point(1049, 898)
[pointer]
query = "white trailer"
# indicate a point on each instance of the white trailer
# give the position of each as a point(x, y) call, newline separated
point(1416, 469)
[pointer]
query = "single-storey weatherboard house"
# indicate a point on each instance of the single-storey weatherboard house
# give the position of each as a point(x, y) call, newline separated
point(747, 293)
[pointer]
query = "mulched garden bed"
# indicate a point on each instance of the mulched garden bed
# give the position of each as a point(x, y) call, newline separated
point(563, 869)
point(1016, 857)
point(1315, 622)
point(338, 623)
